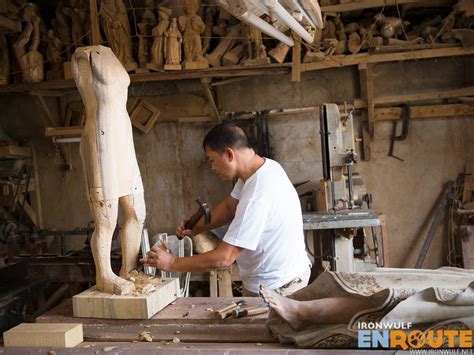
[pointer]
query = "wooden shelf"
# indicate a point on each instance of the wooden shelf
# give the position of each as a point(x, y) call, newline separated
point(367, 4)
point(223, 72)
point(336, 61)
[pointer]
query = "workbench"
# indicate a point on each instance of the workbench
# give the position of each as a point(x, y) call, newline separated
point(191, 322)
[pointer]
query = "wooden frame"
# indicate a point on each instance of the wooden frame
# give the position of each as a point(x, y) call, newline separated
point(144, 116)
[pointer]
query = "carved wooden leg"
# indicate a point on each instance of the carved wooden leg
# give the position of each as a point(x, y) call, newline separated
point(133, 207)
point(105, 218)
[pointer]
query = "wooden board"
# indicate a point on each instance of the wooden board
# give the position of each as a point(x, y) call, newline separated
point(36, 334)
point(191, 319)
point(186, 310)
point(14, 151)
point(95, 304)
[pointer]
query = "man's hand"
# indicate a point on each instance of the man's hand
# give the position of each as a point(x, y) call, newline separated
point(159, 257)
point(181, 230)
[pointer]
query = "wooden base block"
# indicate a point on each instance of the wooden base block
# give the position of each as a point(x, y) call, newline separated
point(67, 70)
point(95, 304)
point(155, 67)
point(172, 67)
point(142, 70)
point(64, 335)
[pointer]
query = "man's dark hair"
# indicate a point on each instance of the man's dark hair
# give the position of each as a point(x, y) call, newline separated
point(226, 135)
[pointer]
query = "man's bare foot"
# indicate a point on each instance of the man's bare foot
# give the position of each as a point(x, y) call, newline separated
point(116, 285)
point(287, 308)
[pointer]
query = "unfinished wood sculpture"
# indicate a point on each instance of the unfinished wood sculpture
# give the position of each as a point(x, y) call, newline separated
point(77, 24)
point(114, 20)
point(207, 34)
point(173, 47)
point(214, 58)
point(253, 47)
point(61, 27)
point(30, 60)
point(110, 163)
point(53, 55)
point(4, 60)
point(191, 25)
point(158, 34)
point(278, 54)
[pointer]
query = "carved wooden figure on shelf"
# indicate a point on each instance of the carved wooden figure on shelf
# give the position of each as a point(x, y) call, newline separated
point(30, 60)
point(173, 47)
point(114, 20)
point(253, 47)
point(61, 26)
point(158, 34)
point(4, 60)
point(110, 164)
point(77, 17)
point(192, 26)
point(53, 55)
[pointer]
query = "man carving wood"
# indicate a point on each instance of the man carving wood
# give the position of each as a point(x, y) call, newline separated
point(110, 163)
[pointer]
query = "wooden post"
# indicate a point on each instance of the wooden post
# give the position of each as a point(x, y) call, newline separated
point(36, 197)
point(296, 60)
point(366, 81)
point(95, 31)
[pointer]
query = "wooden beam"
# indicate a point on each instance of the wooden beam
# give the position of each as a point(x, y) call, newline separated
point(296, 59)
point(423, 112)
point(432, 95)
point(367, 92)
point(367, 4)
point(9, 26)
point(338, 61)
point(14, 151)
point(36, 196)
point(95, 30)
point(228, 72)
point(206, 83)
point(71, 131)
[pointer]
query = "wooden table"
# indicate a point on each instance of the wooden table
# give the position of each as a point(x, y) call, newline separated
point(190, 322)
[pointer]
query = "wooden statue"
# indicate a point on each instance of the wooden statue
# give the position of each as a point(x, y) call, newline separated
point(158, 34)
point(53, 55)
point(207, 34)
point(173, 47)
point(110, 164)
point(61, 26)
point(148, 16)
point(191, 25)
point(4, 60)
point(30, 61)
point(142, 47)
point(114, 20)
point(253, 47)
point(77, 18)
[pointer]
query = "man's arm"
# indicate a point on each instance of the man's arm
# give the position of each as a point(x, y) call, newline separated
point(223, 213)
point(224, 255)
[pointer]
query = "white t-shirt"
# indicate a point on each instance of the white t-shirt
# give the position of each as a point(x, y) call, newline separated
point(268, 224)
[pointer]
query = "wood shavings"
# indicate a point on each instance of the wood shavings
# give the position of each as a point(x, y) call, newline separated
point(146, 336)
point(193, 306)
point(178, 332)
point(209, 310)
point(109, 348)
point(176, 340)
point(258, 344)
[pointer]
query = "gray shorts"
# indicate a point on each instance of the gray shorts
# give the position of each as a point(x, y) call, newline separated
point(287, 289)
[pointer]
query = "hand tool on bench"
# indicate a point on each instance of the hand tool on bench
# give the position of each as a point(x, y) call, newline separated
point(250, 311)
point(203, 210)
point(227, 311)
